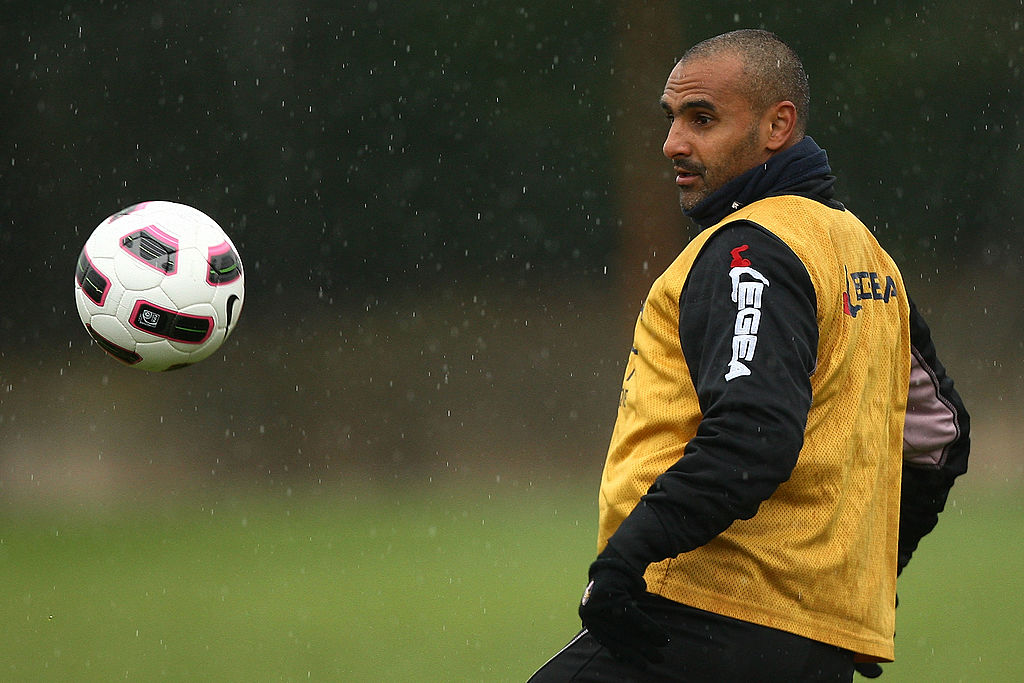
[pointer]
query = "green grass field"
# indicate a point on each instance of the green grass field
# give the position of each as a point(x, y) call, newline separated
point(427, 587)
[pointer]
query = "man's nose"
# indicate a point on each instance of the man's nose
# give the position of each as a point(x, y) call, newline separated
point(676, 142)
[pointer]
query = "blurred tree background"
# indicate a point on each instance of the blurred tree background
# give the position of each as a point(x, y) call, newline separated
point(448, 217)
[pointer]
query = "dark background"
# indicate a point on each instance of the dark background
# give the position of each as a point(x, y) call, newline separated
point(448, 218)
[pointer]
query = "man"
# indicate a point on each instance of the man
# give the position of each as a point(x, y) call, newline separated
point(769, 473)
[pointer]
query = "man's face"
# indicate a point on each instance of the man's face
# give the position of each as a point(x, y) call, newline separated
point(714, 135)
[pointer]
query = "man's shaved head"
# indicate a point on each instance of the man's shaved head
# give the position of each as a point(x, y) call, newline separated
point(772, 71)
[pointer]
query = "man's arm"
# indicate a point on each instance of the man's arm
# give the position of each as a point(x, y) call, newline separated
point(748, 330)
point(936, 444)
point(751, 371)
point(936, 440)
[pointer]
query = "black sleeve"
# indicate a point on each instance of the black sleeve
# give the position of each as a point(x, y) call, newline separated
point(936, 440)
point(751, 371)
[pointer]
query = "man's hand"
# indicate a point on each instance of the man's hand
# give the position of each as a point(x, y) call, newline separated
point(871, 669)
point(868, 669)
point(610, 613)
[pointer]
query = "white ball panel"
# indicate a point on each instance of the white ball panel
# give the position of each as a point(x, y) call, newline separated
point(113, 330)
point(103, 243)
point(222, 298)
point(82, 303)
point(207, 349)
point(188, 285)
point(136, 276)
point(159, 355)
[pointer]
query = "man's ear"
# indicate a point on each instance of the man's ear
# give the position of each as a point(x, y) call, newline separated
point(781, 121)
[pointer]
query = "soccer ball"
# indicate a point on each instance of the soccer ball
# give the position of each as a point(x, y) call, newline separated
point(159, 285)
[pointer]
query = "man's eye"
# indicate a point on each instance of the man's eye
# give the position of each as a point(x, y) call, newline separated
point(702, 119)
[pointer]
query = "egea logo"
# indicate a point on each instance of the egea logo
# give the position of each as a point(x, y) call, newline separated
point(867, 286)
point(747, 288)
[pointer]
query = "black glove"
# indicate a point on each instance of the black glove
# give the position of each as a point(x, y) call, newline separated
point(872, 669)
point(610, 612)
point(868, 669)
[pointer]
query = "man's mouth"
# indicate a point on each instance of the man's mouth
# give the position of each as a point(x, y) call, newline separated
point(686, 177)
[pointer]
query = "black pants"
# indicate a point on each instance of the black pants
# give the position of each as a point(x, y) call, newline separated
point(708, 648)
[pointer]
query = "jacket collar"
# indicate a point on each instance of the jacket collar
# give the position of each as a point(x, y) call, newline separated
point(799, 169)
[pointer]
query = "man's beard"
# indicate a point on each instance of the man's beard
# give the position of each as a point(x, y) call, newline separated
point(734, 164)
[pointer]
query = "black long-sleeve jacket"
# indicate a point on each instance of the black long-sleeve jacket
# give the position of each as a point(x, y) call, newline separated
point(725, 475)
